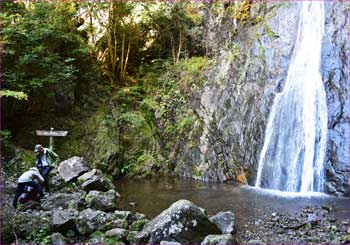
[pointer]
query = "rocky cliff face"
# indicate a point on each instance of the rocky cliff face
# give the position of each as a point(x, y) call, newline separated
point(252, 62)
point(224, 133)
point(336, 76)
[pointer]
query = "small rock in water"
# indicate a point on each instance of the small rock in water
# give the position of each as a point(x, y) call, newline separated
point(255, 242)
point(274, 214)
point(327, 208)
point(257, 222)
point(334, 228)
point(275, 219)
point(332, 220)
point(132, 204)
point(314, 239)
point(169, 243)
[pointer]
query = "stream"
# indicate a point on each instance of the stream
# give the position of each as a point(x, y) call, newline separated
point(152, 196)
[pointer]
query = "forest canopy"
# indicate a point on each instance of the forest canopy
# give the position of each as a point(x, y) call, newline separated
point(47, 42)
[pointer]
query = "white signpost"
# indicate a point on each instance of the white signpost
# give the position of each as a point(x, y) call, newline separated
point(52, 134)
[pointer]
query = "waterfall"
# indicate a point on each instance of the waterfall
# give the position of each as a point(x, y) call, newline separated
point(296, 135)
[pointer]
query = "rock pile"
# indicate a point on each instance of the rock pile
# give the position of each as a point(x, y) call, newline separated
point(310, 225)
point(83, 209)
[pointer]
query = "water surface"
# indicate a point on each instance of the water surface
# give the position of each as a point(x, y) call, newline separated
point(154, 195)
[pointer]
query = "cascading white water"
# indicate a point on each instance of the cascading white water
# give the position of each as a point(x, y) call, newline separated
point(296, 134)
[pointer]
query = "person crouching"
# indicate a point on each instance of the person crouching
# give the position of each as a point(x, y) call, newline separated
point(28, 179)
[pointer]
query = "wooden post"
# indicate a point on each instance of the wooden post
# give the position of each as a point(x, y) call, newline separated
point(51, 140)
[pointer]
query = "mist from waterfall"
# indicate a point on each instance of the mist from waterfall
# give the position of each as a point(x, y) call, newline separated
point(296, 135)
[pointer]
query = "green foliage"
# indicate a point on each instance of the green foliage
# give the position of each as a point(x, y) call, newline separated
point(269, 32)
point(23, 160)
point(97, 234)
point(13, 94)
point(41, 46)
point(192, 70)
point(218, 9)
point(197, 172)
point(175, 31)
point(134, 119)
point(100, 238)
point(258, 19)
point(138, 225)
point(234, 53)
point(5, 136)
point(142, 166)
point(39, 237)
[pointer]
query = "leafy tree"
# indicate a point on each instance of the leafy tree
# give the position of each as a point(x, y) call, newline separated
point(176, 31)
point(47, 64)
point(41, 45)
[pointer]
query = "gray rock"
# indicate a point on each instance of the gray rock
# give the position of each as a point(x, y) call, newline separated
point(127, 215)
point(63, 220)
point(169, 243)
point(139, 216)
point(219, 239)
point(91, 220)
point(95, 180)
point(255, 242)
point(105, 201)
point(235, 102)
point(120, 223)
point(72, 168)
point(225, 221)
point(56, 182)
point(58, 238)
point(335, 53)
point(97, 238)
point(89, 175)
point(64, 200)
point(183, 222)
point(117, 233)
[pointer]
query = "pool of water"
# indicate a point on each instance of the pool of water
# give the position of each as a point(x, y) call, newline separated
point(152, 196)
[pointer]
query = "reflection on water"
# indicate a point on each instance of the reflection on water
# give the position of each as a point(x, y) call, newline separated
point(154, 195)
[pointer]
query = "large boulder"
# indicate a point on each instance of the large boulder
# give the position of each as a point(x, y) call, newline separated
point(219, 239)
point(105, 201)
point(183, 222)
point(225, 221)
point(95, 180)
point(65, 201)
point(63, 220)
point(91, 220)
point(72, 168)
